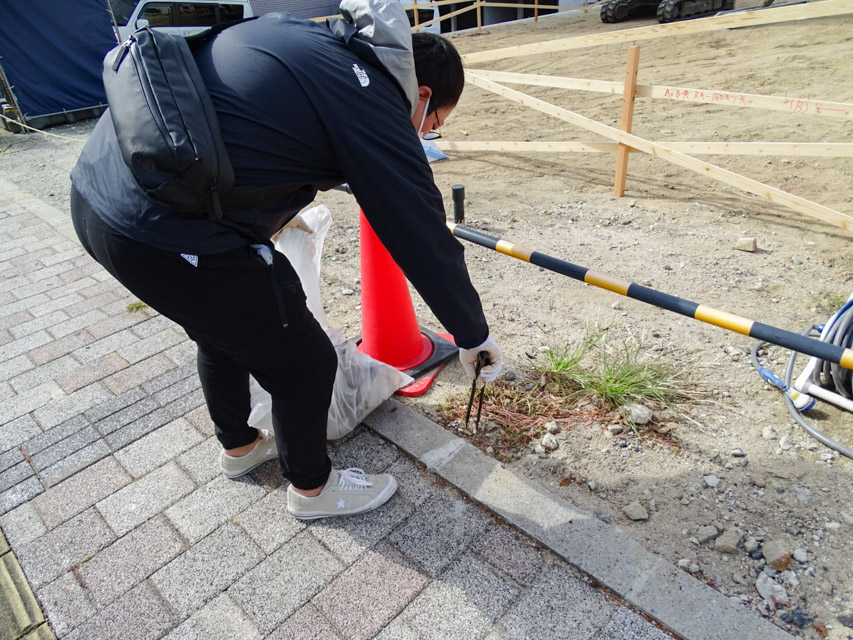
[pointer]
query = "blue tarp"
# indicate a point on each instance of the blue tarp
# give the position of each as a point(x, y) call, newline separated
point(51, 53)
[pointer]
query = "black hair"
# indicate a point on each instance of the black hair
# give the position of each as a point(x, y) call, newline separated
point(439, 67)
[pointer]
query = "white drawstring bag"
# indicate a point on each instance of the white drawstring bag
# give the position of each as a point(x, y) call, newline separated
point(361, 382)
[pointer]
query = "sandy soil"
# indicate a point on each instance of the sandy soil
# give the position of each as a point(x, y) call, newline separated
point(674, 231)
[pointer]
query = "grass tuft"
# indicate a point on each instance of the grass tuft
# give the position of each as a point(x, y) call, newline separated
point(133, 307)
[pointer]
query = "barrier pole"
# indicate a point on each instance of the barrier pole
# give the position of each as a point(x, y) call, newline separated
point(763, 332)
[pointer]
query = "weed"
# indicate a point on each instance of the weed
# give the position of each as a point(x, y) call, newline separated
point(133, 307)
point(828, 301)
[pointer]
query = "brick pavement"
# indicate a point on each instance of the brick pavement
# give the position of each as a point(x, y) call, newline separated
point(114, 508)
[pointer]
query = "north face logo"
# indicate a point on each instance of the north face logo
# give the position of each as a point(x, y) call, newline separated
point(361, 74)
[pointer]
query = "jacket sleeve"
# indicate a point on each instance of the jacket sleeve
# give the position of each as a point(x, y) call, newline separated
point(390, 177)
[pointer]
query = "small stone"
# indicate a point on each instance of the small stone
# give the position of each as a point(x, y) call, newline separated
point(800, 555)
point(347, 291)
point(552, 427)
point(768, 433)
point(759, 480)
point(553, 388)
point(509, 376)
point(846, 619)
point(728, 541)
point(592, 485)
point(737, 453)
point(826, 456)
point(539, 450)
point(707, 533)
point(636, 511)
point(693, 568)
point(637, 413)
point(615, 305)
point(777, 554)
point(549, 441)
point(684, 563)
point(785, 443)
point(490, 450)
point(833, 526)
point(790, 579)
point(801, 493)
point(750, 544)
point(770, 590)
point(712, 481)
point(615, 429)
point(746, 244)
point(848, 518)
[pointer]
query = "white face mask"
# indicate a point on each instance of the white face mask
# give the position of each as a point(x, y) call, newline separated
point(423, 119)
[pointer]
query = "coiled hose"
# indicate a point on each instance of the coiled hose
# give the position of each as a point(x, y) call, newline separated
point(826, 374)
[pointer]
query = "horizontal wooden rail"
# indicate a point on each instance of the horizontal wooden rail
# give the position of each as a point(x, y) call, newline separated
point(811, 149)
point(767, 192)
point(679, 94)
point(823, 9)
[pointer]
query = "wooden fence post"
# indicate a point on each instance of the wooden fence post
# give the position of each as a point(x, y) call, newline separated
point(535, 10)
point(417, 17)
point(479, 15)
point(628, 95)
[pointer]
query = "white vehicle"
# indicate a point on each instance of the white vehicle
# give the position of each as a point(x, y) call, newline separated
point(178, 17)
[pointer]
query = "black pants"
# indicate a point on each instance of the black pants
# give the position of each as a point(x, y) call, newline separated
point(246, 318)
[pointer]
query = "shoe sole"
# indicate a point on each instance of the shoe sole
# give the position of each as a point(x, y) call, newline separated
point(238, 474)
point(377, 502)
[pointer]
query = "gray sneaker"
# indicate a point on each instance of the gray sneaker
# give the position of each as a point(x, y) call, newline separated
point(346, 493)
point(264, 450)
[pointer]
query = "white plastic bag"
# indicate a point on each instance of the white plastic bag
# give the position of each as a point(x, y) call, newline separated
point(361, 382)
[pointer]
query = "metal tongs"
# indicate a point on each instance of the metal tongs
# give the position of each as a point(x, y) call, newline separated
point(482, 361)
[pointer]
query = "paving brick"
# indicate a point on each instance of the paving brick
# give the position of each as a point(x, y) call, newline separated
point(213, 504)
point(627, 625)
point(99, 348)
point(177, 390)
point(348, 538)
point(45, 272)
point(113, 406)
point(9, 284)
point(30, 288)
point(16, 319)
point(577, 614)
point(69, 344)
point(81, 491)
point(137, 502)
point(65, 407)
point(439, 531)
point(75, 462)
point(87, 305)
point(45, 373)
point(415, 485)
point(29, 401)
point(11, 252)
point(85, 267)
point(56, 304)
point(114, 324)
point(27, 304)
point(48, 557)
point(66, 604)
point(307, 624)
point(100, 287)
point(24, 345)
point(9, 459)
point(73, 286)
point(15, 366)
point(22, 525)
point(268, 522)
point(184, 353)
point(202, 461)
point(208, 568)
point(365, 446)
point(135, 430)
point(400, 630)
point(131, 559)
point(18, 431)
point(359, 612)
point(302, 564)
point(49, 438)
point(136, 374)
point(138, 615)
point(169, 379)
point(147, 347)
point(219, 619)
point(463, 604)
point(200, 419)
point(153, 325)
point(130, 415)
point(158, 447)
point(77, 323)
point(68, 254)
point(516, 557)
point(24, 329)
point(78, 377)
point(15, 475)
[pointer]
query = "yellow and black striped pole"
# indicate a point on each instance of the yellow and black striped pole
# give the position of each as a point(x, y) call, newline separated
point(759, 331)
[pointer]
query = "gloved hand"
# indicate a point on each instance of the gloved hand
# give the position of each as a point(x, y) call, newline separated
point(490, 372)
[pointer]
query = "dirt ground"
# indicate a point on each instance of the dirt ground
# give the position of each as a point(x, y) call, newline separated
point(674, 231)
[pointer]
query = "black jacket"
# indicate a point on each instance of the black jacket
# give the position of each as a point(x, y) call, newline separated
point(298, 108)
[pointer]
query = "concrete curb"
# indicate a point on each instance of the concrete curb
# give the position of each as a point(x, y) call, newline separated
point(21, 616)
point(680, 602)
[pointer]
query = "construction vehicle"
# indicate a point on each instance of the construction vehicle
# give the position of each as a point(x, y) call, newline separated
point(666, 10)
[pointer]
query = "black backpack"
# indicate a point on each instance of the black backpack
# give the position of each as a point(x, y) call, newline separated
point(165, 121)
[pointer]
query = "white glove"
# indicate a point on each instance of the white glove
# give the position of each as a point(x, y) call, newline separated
point(491, 371)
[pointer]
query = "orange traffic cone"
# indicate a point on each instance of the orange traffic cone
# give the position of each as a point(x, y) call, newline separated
point(389, 328)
